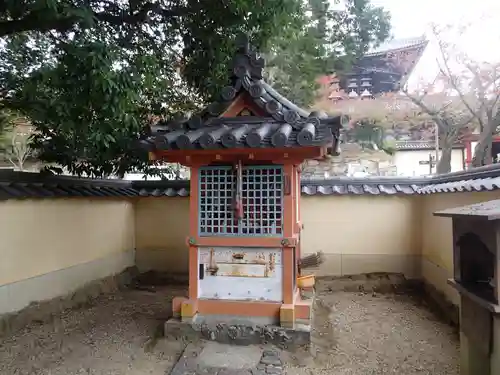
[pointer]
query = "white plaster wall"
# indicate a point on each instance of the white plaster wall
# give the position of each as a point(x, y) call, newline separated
point(51, 247)
point(473, 146)
point(407, 162)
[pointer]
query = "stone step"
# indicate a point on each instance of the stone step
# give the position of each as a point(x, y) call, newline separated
point(211, 358)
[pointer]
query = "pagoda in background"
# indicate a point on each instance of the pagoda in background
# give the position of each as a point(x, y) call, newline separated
point(384, 70)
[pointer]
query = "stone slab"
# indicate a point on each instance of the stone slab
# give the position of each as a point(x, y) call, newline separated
point(215, 354)
point(236, 334)
point(211, 358)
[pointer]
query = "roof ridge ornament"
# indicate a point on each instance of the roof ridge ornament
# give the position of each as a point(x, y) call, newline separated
point(246, 61)
point(242, 42)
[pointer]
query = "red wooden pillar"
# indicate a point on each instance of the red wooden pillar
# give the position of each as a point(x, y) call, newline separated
point(193, 233)
point(288, 233)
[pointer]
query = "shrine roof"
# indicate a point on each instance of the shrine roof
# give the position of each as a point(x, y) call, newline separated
point(484, 210)
point(279, 123)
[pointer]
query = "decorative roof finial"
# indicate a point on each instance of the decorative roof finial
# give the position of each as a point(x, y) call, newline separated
point(242, 43)
point(246, 62)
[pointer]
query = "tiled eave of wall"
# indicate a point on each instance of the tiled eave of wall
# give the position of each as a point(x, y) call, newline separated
point(367, 186)
point(485, 178)
point(19, 185)
point(162, 188)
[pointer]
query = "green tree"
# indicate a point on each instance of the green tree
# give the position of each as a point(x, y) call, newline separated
point(331, 39)
point(90, 75)
point(6, 119)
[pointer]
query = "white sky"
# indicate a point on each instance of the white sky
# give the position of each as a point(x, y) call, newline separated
point(481, 40)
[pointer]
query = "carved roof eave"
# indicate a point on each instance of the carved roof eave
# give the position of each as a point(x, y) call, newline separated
point(404, 78)
point(422, 43)
point(272, 103)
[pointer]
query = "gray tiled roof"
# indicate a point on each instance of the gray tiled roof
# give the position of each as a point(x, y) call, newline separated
point(371, 186)
point(419, 145)
point(397, 44)
point(18, 185)
point(485, 178)
point(283, 124)
point(482, 184)
point(338, 186)
point(479, 179)
point(162, 188)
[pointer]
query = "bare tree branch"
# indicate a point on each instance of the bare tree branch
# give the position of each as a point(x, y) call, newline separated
point(451, 78)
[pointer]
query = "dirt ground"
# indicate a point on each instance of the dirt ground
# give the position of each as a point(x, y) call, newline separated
point(114, 336)
point(368, 333)
point(119, 334)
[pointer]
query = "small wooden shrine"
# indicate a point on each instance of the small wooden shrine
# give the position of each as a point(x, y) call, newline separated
point(244, 152)
point(476, 277)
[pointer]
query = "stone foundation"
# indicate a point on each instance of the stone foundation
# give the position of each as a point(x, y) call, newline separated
point(353, 158)
point(237, 334)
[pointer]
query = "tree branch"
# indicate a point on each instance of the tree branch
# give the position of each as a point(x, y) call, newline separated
point(33, 22)
point(454, 85)
point(38, 20)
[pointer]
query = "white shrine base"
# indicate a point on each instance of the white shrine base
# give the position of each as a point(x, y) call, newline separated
point(257, 275)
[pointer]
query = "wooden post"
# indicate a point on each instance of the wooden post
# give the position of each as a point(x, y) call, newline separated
point(430, 161)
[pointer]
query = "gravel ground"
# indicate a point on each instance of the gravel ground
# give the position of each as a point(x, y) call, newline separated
point(120, 334)
point(117, 335)
point(362, 334)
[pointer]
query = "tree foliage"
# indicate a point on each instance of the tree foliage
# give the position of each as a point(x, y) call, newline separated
point(331, 39)
point(91, 75)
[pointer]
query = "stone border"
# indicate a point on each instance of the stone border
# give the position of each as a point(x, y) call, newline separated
point(441, 305)
point(237, 334)
point(44, 311)
point(374, 282)
point(394, 283)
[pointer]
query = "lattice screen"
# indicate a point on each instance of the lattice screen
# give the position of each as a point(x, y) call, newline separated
point(262, 198)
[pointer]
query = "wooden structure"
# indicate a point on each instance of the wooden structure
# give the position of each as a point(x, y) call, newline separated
point(383, 70)
point(476, 276)
point(244, 152)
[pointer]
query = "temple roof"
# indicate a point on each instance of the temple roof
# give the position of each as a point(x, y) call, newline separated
point(396, 44)
point(393, 60)
point(280, 123)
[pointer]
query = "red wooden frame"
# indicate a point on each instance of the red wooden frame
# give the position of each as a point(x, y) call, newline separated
point(290, 159)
